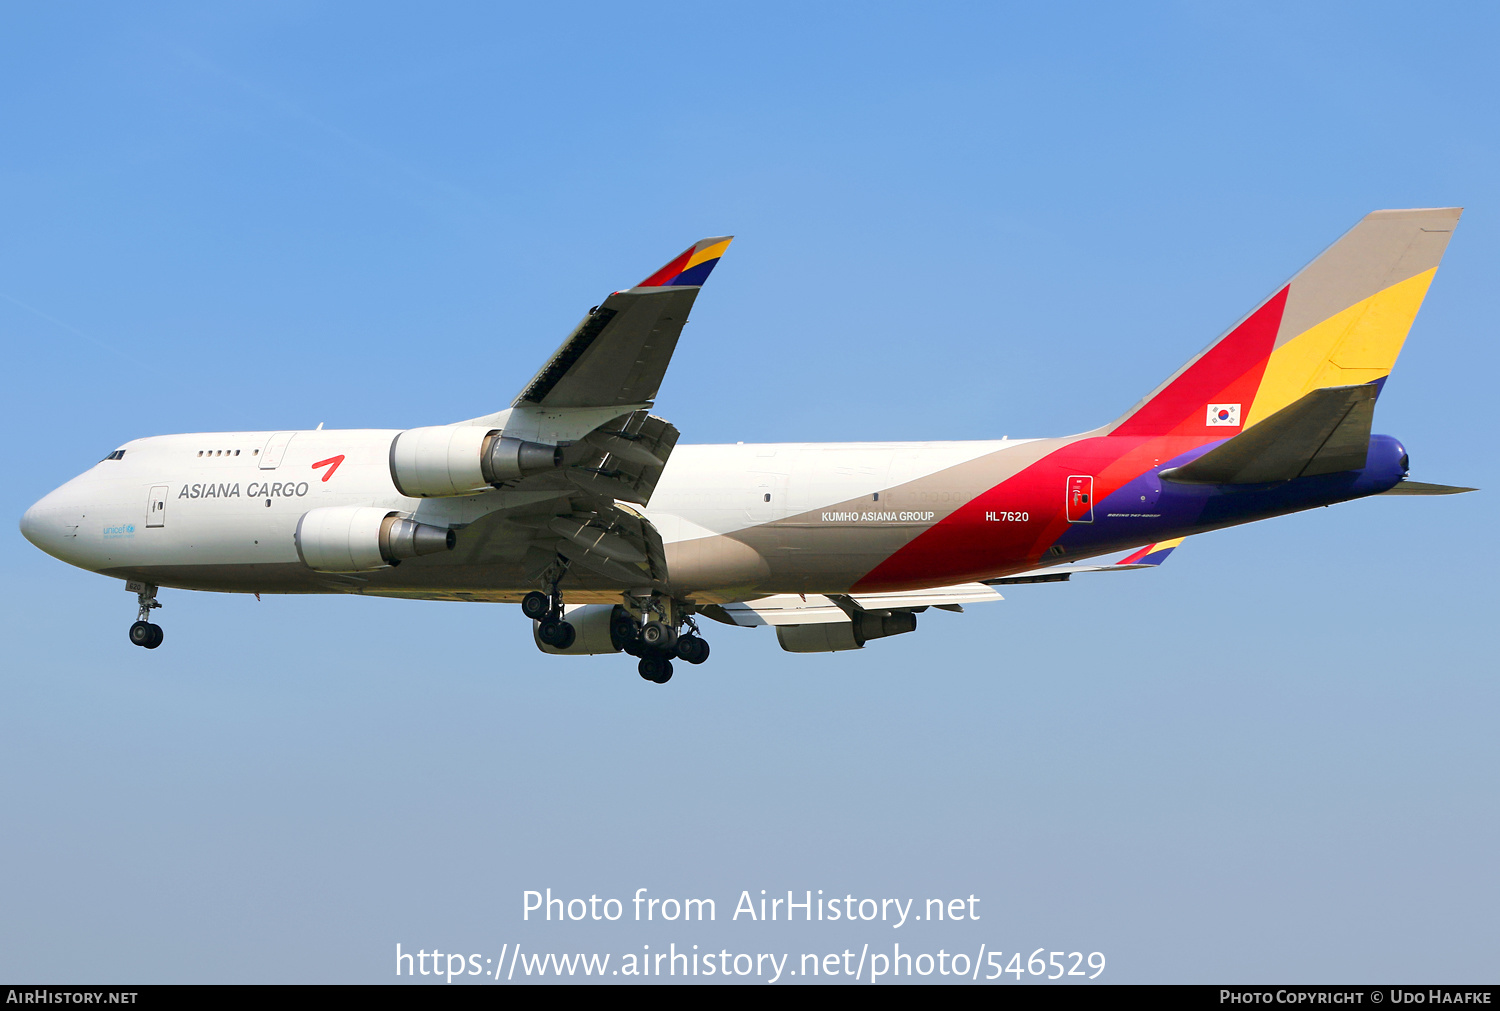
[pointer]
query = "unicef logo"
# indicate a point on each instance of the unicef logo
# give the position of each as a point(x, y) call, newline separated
point(130, 528)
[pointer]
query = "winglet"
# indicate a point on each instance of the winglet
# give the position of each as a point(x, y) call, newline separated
point(1152, 554)
point(692, 267)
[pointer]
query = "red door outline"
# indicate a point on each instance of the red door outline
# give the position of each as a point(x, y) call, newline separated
point(1080, 498)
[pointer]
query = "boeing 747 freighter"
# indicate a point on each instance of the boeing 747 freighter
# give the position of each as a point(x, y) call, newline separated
point(578, 503)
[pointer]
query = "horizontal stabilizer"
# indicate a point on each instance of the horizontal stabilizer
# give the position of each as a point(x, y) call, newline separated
point(1148, 557)
point(1324, 432)
point(1420, 488)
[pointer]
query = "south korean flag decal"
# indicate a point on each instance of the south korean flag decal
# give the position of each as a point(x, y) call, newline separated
point(1223, 415)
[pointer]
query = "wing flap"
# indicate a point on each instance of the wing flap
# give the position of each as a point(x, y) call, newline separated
point(785, 609)
point(625, 458)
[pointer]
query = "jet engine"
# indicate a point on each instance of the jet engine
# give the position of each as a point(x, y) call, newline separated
point(833, 636)
point(463, 459)
point(597, 627)
point(361, 538)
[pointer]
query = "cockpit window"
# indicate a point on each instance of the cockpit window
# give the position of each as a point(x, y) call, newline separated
point(118, 454)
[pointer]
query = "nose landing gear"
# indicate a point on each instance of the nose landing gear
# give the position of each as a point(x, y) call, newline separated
point(143, 632)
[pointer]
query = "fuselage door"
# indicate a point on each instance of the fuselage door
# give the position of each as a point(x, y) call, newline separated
point(768, 498)
point(270, 457)
point(1080, 499)
point(156, 507)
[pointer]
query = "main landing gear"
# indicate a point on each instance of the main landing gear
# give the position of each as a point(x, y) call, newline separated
point(553, 630)
point(143, 632)
point(652, 627)
point(656, 642)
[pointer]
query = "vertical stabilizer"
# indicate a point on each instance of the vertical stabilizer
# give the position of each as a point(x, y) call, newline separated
point(1340, 321)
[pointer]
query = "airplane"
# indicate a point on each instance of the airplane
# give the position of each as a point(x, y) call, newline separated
point(578, 503)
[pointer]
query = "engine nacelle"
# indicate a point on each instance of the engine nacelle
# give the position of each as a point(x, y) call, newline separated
point(834, 636)
point(361, 538)
point(463, 459)
point(595, 625)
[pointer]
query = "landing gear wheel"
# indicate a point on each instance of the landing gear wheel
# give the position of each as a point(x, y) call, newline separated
point(156, 637)
point(692, 649)
point(557, 633)
point(656, 669)
point(535, 605)
point(622, 630)
point(658, 636)
point(142, 635)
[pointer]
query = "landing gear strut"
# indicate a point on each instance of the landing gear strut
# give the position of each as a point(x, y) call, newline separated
point(143, 632)
point(548, 610)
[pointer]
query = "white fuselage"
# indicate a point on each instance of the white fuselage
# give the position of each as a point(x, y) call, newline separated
point(220, 510)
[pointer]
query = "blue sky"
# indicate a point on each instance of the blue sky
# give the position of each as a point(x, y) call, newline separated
point(1273, 759)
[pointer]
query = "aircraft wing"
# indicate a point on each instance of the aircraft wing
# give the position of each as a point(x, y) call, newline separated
point(591, 399)
point(618, 354)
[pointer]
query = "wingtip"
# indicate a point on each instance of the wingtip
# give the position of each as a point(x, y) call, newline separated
point(692, 266)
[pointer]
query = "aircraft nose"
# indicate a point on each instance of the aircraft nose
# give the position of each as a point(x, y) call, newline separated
point(31, 525)
point(42, 524)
